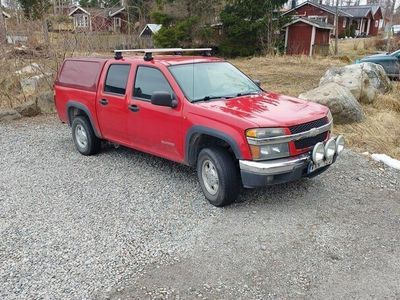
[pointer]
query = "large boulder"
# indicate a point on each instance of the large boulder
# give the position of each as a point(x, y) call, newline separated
point(45, 102)
point(378, 77)
point(31, 84)
point(28, 109)
point(9, 114)
point(365, 81)
point(343, 105)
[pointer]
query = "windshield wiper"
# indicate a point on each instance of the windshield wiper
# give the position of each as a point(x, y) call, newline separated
point(207, 98)
point(247, 93)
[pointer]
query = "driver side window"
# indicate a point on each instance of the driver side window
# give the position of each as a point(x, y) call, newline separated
point(149, 80)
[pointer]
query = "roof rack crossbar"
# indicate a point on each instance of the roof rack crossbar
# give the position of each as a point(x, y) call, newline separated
point(148, 53)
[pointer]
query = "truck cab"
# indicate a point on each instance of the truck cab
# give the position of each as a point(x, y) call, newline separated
point(200, 111)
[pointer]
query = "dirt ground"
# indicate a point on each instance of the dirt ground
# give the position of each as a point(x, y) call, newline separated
point(127, 225)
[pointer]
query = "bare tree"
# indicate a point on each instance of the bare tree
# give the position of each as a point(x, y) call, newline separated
point(337, 28)
point(2, 28)
point(392, 12)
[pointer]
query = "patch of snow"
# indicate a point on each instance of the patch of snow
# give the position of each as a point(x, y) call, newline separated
point(387, 160)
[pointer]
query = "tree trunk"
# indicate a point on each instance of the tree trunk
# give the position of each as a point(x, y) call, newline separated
point(392, 10)
point(3, 35)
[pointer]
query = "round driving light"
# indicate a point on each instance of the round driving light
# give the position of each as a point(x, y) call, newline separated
point(339, 144)
point(318, 153)
point(330, 149)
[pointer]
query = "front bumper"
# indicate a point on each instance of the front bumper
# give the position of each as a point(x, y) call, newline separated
point(258, 174)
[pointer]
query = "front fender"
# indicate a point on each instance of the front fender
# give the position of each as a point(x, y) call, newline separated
point(190, 148)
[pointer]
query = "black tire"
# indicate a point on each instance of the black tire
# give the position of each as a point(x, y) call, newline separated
point(93, 144)
point(228, 176)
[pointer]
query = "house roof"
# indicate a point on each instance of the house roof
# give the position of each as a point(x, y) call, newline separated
point(327, 8)
point(311, 22)
point(115, 11)
point(102, 12)
point(374, 8)
point(154, 28)
point(358, 11)
point(79, 8)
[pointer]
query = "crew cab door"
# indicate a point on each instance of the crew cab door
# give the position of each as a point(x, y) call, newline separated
point(111, 103)
point(155, 129)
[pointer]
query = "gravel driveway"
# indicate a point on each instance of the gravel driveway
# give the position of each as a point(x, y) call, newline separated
point(127, 225)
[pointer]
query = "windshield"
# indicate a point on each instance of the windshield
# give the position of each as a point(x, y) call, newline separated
point(205, 81)
point(396, 53)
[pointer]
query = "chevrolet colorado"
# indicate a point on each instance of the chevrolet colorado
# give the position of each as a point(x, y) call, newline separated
point(196, 110)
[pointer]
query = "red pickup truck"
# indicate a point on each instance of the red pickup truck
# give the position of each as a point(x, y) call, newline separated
point(200, 111)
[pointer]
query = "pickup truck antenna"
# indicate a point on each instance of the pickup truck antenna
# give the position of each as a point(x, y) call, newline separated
point(148, 53)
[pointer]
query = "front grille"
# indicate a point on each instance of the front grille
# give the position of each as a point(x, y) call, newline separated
point(308, 126)
point(311, 141)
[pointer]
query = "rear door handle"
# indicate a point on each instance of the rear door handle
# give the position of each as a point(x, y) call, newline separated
point(103, 101)
point(133, 108)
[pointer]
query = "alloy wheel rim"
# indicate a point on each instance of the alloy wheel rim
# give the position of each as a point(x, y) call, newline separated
point(210, 178)
point(81, 136)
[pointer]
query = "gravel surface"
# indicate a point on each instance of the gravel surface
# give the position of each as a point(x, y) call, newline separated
point(128, 225)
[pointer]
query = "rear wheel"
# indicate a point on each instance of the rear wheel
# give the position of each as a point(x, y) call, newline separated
point(218, 176)
point(86, 142)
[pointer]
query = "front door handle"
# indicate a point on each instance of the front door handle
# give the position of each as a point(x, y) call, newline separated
point(133, 108)
point(103, 101)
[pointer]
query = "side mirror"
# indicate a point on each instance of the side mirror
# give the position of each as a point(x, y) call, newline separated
point(163, 99)
point(257, 82)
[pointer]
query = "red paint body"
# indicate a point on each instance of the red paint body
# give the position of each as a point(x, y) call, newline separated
point(163, 131)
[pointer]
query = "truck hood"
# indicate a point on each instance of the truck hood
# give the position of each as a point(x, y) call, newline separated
point(267, 109)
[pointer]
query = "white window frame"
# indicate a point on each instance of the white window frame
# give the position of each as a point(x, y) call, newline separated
point(319, 18)
point(82, 20)
point(344, 22)
point(376, 23)
point(117, 22)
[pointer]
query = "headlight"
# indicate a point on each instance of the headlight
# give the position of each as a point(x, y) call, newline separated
point(262, 133)
point(330, 149)
point(318, 154)
point(264, 152)
point(329, 116)
point(269, 151)
point(339, 144)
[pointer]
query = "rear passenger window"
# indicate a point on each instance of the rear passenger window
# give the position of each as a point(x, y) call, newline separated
point(148, 81)
point(117, 77)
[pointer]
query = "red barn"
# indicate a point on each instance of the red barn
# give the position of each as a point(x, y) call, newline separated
point(307, 37)
point(362, 19)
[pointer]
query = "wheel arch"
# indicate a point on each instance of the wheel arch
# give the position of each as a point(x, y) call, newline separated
point(199, 136)
point(75, 108)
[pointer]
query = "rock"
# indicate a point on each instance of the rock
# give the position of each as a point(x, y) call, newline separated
point(45, 102)
point(30, 85)
point(378, 78)
point(33, 68)
point(365, 81)
point(339, 99)
point(28, 109)
point(9, 114)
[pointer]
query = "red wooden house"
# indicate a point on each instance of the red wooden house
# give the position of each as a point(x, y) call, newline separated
point(365, 19)
point(99, 19)
point(305, 36)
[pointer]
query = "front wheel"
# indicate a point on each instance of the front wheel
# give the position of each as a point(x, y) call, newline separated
point(218, 176)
